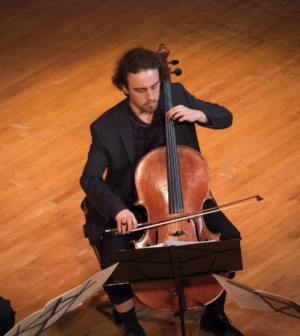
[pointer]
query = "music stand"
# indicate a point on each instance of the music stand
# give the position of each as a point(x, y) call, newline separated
point(35, 323)
point(176, 263)
point(253, 298)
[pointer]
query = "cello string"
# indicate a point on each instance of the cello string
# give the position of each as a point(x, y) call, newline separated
point(170, 156)
point(168, 152)
point(175, 190)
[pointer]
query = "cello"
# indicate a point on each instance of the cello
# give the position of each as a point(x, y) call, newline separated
point(180, 185)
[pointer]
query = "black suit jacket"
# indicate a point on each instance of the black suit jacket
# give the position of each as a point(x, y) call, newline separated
point(112, 150)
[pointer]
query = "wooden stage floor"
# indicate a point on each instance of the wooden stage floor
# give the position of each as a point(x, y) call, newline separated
point(56, 61)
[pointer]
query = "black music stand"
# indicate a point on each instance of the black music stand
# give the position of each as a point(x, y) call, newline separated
point(35, 323)
point(177, 263)
point(253, 298)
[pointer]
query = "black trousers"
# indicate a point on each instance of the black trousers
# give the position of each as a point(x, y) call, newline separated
point(216, 222)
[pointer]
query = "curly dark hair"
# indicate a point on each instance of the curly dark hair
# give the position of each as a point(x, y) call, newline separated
point(135, 60)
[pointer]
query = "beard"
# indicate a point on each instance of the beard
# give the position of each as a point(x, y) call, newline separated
point(150, 107)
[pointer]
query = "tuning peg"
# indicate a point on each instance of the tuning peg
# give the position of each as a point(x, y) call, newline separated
point(173, 62)
point(176, 72)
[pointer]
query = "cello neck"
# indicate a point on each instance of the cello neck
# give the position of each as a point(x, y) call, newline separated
point(174, 183)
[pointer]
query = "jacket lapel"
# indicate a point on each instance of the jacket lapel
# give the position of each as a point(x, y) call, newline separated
point(126, 134)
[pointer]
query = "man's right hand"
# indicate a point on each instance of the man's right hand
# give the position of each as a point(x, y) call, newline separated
point(126, 221)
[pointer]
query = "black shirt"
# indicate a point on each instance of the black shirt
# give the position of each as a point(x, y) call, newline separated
point(147, 136)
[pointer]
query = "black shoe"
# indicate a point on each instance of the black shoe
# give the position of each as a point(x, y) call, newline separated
point(219, 325)
point(141, 333)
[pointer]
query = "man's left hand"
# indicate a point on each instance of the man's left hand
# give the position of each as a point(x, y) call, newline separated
point(182, 113)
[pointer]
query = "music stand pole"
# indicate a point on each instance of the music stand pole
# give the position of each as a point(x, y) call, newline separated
point(180, 288)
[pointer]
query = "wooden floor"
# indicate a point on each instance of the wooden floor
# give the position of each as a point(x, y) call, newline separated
point(56, 60)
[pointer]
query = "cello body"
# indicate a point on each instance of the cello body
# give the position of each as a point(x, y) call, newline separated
point(152, 191)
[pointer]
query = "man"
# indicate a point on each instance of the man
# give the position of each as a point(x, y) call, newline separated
point(120, 138)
